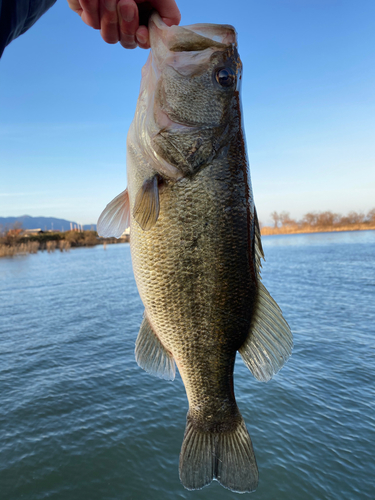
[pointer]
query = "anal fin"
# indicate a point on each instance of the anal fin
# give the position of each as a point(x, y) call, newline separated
point(151, 355)
point(146, 206)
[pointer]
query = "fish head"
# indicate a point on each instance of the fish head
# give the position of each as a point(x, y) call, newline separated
point(190, 94)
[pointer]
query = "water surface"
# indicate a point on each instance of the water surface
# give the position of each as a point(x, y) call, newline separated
point(79, 418)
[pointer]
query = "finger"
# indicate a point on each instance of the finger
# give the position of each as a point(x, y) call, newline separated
point(168, 11)
point(90, 14)
point(109, 25)
point(75, 5)
point(128, 22)
point(142, 37)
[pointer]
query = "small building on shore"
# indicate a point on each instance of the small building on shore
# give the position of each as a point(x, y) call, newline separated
point(31, 232)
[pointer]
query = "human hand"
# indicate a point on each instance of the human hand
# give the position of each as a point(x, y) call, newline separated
point(125, 21)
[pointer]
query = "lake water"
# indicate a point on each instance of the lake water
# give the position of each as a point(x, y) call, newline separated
point(80, 420)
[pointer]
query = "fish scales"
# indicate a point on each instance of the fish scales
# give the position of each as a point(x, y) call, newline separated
point(195, 245)
point(199, 292)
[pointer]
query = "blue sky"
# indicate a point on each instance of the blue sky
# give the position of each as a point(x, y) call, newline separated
point(67, 100)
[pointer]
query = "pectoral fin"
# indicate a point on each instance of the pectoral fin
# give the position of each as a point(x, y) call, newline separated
point(146, 206)
point(115, 218)
point(151, 355)
point(270, 342)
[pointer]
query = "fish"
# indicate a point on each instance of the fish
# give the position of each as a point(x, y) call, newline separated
point(196, 245)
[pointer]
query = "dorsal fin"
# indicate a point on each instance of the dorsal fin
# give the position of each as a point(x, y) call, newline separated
point(259, 254)
point(269, 342)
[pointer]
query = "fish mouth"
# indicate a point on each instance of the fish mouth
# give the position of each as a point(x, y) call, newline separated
point(186, 49)
point(194, 37)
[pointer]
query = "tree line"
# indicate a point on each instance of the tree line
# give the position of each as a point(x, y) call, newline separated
point(323, 219)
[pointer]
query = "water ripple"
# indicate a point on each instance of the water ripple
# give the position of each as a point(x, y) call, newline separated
point(79, 419)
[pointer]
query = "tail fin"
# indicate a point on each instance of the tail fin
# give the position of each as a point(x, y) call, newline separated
point(225, 456)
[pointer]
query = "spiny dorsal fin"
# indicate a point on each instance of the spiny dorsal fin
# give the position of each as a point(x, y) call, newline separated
point(270, 342)
point(151, 355)
point(115, 218)
point(146, 206)
point(259, 254)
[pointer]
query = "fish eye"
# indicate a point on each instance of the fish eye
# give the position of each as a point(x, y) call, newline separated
point(225, 77)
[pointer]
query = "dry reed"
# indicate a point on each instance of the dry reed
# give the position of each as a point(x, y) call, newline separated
point(64, 246)
point(22, 249)
point(51, 246)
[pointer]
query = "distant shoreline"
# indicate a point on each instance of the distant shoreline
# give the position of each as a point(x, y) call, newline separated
point(269, 231)
point(16, 242)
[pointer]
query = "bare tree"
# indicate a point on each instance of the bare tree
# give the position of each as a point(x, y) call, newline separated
point(285, 219)
point(328, 218)
point(371, 215)
point(310, 218)
point(276, 218)
point(355, 217)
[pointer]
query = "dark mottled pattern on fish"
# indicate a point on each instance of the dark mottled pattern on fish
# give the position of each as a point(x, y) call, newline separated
point(194, 278)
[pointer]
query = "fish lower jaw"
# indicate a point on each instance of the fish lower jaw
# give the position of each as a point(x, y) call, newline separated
point(166, 124)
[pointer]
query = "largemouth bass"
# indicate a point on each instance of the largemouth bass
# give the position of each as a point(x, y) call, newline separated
point(196, 246)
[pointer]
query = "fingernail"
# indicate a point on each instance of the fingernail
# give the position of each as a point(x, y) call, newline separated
point(127, 13)
point(128, 42)
point(141, 39)
point(167, 21)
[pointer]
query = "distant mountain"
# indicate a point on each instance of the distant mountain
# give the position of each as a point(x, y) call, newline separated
point(44, 223)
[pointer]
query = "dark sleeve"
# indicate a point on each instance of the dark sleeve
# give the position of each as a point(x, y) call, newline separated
point(17, 16)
